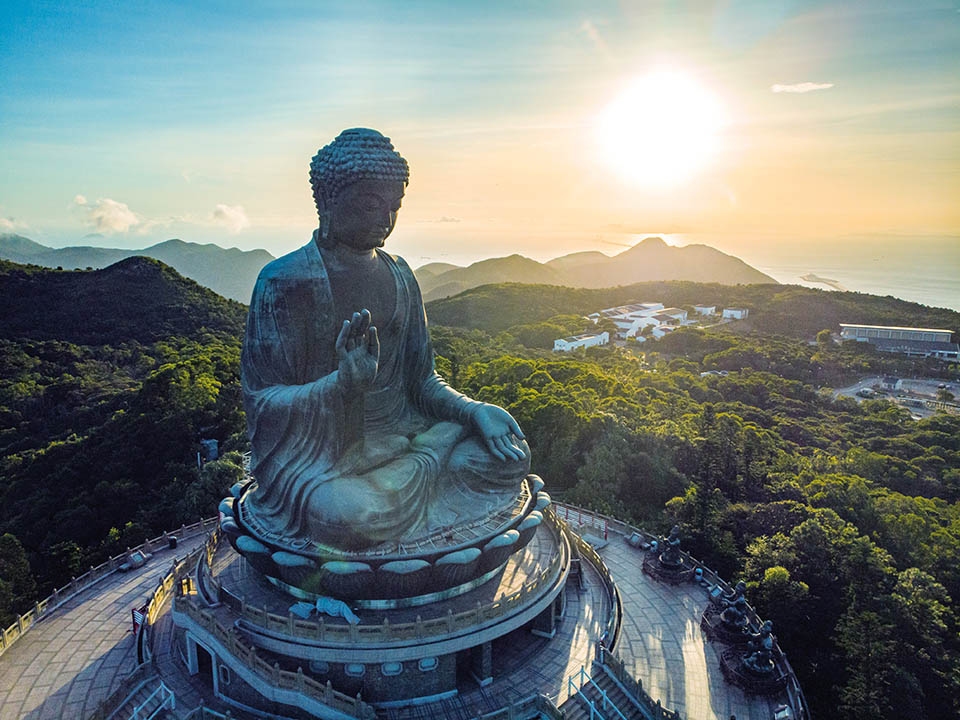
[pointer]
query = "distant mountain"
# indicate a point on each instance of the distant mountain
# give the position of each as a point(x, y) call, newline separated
point(138, 299)
point(514, 268)
point(431, 269)
point(649, 260)
point(577, 259)
point(229, 272)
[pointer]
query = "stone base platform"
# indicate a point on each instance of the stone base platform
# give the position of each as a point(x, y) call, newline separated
point(735, 673)
point(241, 624)
point(410, 571)
point(682, 573)
point(712, 624)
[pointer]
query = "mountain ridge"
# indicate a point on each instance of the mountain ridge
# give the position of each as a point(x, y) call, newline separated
point(650, 260)
point(230, 272)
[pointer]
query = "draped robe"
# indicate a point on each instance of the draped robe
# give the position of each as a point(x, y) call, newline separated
point(351, 470)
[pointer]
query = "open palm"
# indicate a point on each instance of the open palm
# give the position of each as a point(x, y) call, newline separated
point(358, 352)
point(500, 432)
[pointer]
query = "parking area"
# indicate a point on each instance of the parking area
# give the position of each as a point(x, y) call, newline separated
point(911, 393)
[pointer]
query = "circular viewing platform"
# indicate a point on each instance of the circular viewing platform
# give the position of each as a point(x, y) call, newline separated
point(646, 634)
point(240, 620)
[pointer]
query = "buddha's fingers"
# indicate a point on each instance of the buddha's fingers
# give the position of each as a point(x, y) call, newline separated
point(364, 322)
point(373, 343)
point(492, 447)
point(508, 451)
point(342, 336)
point(515, 429)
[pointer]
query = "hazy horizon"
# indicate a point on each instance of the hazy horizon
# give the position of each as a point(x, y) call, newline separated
point(916, 269)
point(539, 127)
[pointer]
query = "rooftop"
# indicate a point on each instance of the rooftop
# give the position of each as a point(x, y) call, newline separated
point(893, 327)
point(582, 336)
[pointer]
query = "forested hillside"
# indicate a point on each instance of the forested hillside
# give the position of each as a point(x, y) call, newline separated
point(784, 309)
point(108, 380)
point(844, 518)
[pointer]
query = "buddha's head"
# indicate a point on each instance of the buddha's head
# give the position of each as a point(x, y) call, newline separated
point(358, 182)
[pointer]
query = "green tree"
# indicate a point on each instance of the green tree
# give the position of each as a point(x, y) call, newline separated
point(17, 586)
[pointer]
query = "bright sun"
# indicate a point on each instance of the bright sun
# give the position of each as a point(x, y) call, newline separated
point(661, 129)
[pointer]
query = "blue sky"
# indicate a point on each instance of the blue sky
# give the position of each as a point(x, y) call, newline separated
point(144, 121)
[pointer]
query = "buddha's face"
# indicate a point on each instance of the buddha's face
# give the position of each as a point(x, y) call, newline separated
point(364, 213)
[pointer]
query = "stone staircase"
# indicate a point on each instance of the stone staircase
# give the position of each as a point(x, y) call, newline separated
point(609, 701)
point(149, 702)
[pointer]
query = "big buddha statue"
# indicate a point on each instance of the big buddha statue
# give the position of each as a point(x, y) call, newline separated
point(356, 441)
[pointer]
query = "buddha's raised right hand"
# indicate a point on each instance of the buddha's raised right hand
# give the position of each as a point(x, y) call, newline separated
point(358, 353)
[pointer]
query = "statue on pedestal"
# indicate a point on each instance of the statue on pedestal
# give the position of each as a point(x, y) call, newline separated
point(759, 660)
point(671, 556)
point(734, 613)
point(355, 438)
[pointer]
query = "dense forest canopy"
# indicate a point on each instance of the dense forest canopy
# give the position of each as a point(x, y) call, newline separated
point(843, 517)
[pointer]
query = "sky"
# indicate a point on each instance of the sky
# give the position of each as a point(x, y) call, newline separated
point(533, 127)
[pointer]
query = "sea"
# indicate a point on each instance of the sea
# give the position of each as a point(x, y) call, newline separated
point(925, 270)
point(922, 268)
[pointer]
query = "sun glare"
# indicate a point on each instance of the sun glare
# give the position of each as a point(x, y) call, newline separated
point(661, 129)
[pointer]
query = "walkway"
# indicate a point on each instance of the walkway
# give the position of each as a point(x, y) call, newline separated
point(76, 656)
point(661, 642)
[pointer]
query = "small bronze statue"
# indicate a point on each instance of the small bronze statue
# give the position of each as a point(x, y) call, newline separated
point(671, 556)
point(734, 614)
point(759, 660)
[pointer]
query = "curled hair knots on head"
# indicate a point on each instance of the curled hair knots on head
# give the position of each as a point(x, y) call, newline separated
point(355, 154)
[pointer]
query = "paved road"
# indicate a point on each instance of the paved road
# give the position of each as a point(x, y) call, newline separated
point(69, 662)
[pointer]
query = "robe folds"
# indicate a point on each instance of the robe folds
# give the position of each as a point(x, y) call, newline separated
point(352, 470)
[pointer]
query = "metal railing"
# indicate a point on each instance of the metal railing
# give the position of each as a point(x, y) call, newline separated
point(166, 698)
point(128, 687)
point(574, 690)
point(634, 686)
point(538, 705)
point(94, 575)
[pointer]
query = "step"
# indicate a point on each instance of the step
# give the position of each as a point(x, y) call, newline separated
point(617, 695)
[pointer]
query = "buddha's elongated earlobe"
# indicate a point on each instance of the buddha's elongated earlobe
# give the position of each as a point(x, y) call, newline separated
point(325, 228)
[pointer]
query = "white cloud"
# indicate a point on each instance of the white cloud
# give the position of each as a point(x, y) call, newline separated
point(591, 31)
point(803, 87)
point(106, 215)
point(9, 223)
point(232, 217)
